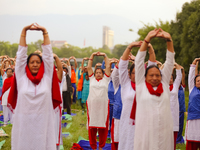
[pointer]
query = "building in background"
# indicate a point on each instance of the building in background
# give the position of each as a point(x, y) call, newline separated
point(59, 44)
point(108, 37)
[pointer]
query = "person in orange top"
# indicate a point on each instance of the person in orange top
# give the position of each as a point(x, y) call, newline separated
point(73, 77)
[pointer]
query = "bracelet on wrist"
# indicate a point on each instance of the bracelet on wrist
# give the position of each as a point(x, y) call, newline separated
point(146, 41)
point(91, 59)
point(169, 40)
point(45, 33)
point(130, 48)
point(23, 35)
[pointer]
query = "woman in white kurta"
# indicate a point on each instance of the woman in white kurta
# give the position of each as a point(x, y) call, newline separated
point(97, 102)
point(192, 130)
point(33, 122)
point(174, 103)
point(126, 128)
point(153, 124)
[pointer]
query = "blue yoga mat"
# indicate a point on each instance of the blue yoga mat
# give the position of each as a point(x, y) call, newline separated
point(72, 114)
point(86, 145)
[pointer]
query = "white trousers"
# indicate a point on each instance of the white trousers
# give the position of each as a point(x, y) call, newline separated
point(7, 114)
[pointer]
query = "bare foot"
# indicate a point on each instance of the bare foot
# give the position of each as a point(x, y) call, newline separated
point(100, 148)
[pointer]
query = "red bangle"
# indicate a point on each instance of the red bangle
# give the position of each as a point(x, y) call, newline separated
point(146, 41)
point(91, 59)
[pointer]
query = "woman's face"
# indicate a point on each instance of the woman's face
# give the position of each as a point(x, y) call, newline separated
point(34, 64)
point(132, 76)
point(197, 82)
point(87, 77)
point(153, 77)
point(171, 80)
point(98, 74)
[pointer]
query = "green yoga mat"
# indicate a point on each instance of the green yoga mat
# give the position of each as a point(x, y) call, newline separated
point(1, 143)
point(81, 138)
point(69, 125)
point(61, 147)
point(67, 117)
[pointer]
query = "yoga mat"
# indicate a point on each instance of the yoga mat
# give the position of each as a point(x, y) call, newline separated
point(66, 117)
point(66, 134)
point(86, 145)
point(1, 143)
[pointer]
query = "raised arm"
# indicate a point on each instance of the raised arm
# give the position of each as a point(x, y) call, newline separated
point(75, 62)
point(2, 68)
point(115, 77)
point(196, 68)
point(47, 52)
point(192, 74)
point(127, 52)
point(107, 63)
point(183, 76)
point(152, 56)
point(178, 76)
point(89, 67)
point(59, 67)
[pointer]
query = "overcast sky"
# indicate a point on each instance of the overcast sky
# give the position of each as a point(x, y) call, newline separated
point(146, 11)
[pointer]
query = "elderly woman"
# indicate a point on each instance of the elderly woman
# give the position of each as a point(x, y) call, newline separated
point(38, 95)
point(127, 82)
point(98, 103)
point(192, 131)
point(153, 124)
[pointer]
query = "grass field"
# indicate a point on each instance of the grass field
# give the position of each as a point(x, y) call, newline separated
point(77, 128)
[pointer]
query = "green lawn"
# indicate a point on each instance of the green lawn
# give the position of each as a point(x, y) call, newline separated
point(78, 128)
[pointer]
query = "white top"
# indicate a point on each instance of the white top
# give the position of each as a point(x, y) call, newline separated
point(97, 102)
point(115, 79)
point(5, 98)
point(4, 76)
point(34, 113)
point(126, 129)
point(192, 129)
point(154, 124)
point(174, 103)
point(64, 86)
point(69, 71)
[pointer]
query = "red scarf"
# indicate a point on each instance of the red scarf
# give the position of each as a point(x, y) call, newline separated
point(156, 92)
point(133, 110)
point(56, 97)
point(6, 85)
point(171, 87)
point(35, 79)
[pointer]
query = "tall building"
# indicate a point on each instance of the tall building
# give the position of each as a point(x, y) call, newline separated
point(108, 37)
point(59, 44)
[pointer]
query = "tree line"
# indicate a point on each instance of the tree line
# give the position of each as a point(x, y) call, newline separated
point(184, 29)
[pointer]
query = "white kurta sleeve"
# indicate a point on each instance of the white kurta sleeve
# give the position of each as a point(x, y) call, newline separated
point(139, 67)
point(168, 67)
point(47, 57)
point(21, 61)
point(191, 78)
point(123, 72)
point(115, 78)
point(69, 71)
point(178, 79)
point(150, 63)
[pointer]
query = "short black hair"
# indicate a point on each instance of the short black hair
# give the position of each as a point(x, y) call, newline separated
point(195, 79)
point(173, 76)
point(33, 54)
point(151, 66)
point(65, 68)
point(98, 67)
point(86, 74)
point(131, 68)
point(9, 69)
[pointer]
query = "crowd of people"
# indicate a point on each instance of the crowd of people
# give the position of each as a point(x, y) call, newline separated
point(141, 106)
